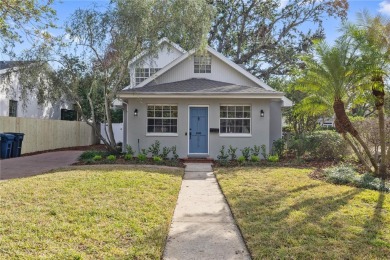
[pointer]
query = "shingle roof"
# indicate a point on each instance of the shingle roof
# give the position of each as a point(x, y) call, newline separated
point(199, 86)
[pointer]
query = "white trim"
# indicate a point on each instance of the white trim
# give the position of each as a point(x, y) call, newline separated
point(234, 135)
point(208, 127)
point(162, 134)
point(202, 96)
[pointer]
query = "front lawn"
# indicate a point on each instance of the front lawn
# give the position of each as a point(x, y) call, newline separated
point(88, 213)
point(283, 213)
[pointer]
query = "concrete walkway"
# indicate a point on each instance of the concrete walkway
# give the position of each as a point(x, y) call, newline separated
point(36, 164)
point(202, 225)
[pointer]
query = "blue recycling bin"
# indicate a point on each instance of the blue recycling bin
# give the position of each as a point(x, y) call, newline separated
point(6, 145)
point(17, 144)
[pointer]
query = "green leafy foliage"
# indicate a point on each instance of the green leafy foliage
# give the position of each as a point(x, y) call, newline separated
point(278, 147)
point(157, 159)
point(142, 157)
point(264, 151)
point(154, 149)
point(246, 152)
point(175, 156)
point(97, 158)
point(273, 158)
point(232, 152)
point(241, 159)
point(223, 156)
point(128, 157)
point(111, 158)
point(88, 155)
point(129, 150)
point(165, 152)
point(255, 150)
point(255, 158)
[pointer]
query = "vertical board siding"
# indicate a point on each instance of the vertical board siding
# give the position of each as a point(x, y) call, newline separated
point(44, 134)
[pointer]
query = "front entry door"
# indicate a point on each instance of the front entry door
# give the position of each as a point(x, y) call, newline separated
point(198, 132)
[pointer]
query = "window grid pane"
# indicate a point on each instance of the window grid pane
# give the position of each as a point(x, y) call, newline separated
point(143, 73)
point(162, 119)
point(235, 119)
point(202, 64)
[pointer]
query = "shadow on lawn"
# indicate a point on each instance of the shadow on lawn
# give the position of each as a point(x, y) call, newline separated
point(300, 223)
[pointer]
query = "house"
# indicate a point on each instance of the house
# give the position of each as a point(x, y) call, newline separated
point(198, 103)
point(11, 103)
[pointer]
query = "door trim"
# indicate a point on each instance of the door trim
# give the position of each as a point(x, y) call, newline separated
point(188, 130)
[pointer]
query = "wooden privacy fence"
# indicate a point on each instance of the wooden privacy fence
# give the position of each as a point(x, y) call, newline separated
point(45, 134)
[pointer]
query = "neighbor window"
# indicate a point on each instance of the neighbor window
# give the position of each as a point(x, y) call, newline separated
point(162, 119)
point(143, 73)
point(13, 108)
point(202, 64)
point(235, 119)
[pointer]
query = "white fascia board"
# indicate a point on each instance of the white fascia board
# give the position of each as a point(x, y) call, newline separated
point(163, 40)
point(203, 96)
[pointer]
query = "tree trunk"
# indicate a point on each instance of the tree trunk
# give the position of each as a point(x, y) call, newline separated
point(357, 152)
point(379, 94)
point(344, 125)
point(109, 122)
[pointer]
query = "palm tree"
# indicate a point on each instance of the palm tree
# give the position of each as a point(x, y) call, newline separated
point(372, 36)
point(330, 80)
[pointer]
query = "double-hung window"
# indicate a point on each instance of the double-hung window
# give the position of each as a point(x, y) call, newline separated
point(13, 108)
point(202, 64)
point(143, 73)
point(162, 119)
point(235, 119)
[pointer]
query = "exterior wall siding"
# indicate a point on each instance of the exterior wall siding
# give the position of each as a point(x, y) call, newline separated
point(275, 121)
point(220, 71)
point(137, 133)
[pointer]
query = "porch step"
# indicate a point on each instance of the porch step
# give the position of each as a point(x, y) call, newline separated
point(197, 160)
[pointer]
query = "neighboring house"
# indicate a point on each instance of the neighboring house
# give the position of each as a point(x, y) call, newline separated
point(198, 103)
point(326, 122)
point(12, 105)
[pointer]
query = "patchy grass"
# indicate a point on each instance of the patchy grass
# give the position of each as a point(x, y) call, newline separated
point(88, 214)
point(285, 214)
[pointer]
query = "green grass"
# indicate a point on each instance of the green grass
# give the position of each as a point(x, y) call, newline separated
point(282, 213)
point(88, 213)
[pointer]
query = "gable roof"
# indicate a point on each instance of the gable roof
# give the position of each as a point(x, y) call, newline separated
point(200, 86)
point(286, 102)
point(160, 42)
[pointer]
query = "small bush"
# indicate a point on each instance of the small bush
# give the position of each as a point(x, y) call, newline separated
point(89, 155)
point(246, 152)
point(223, 156)
point(142, 157)
point(175, 156)
point(97, 158)
point(111, 158)
point(255, 158)
point(232, 152)
point(241, 159)
point(165, 153)
point(128, 157)
point(157, 159)
point(345, 174)
point(264, 151)
point(256, 150)
point(154, 149)
point(278, 147)
point(273, 158)
point(129, 150)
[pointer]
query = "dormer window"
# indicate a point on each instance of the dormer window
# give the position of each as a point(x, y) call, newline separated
point(202, 64)
point(143, 73)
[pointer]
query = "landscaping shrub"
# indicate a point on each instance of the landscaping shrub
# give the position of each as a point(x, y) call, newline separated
point(129, 150)
point(165, 153)
point(255, 158)
point(157, 159)
point(223, 156)
point(142, 157)
point(232, 152)
point(97, 158)
point(154, 149)
point(273, 158)
point(278, 147)
point(111, 158)
point(256, 150)
point(89, 155)
point(128, 157)
point(241, 159)
point(345, 174)
point(264, 151)
point(246, 152)
point(175, 156)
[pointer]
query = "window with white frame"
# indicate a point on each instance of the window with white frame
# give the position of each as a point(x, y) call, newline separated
point(235, 119)
point(202, 64)
point(143, 73)
point(13, 108)
point(162, 119)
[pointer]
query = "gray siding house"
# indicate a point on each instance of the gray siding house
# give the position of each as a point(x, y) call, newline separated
point(198, 103)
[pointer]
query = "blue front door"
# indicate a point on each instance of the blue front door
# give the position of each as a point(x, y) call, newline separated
point(198, 132)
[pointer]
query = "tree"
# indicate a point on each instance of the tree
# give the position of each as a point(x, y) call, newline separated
point(24, 18)
point(372, 36)
point(332, 81)
point(266, 36)
point(91, 60)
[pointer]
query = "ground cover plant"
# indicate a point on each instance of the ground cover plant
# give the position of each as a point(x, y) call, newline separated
point(91, 212)
point(284, 214)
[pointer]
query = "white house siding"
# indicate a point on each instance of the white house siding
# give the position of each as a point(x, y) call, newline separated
point(220, 71)
point(166, 55)
point(117, 128)
point(28, 108)
point(260, 126)
point(275, 122)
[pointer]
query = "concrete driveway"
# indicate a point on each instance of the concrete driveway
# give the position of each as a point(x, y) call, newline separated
point(36, 164)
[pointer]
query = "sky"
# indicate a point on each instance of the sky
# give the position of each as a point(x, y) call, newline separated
point(65, 8)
